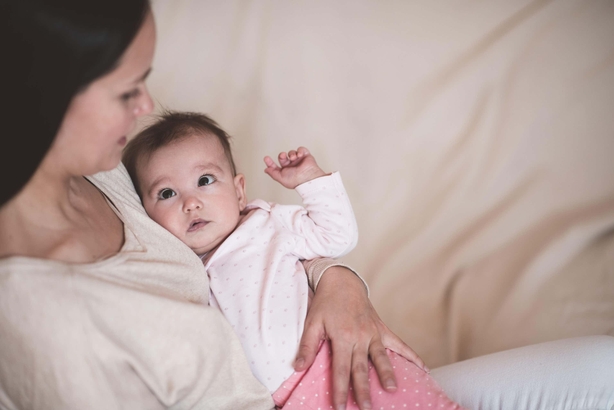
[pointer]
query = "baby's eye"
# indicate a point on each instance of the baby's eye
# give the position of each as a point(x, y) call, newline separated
point(206, 180)
point(166, 193)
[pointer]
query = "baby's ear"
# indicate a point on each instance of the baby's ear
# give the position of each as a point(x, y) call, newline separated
point(239, 181)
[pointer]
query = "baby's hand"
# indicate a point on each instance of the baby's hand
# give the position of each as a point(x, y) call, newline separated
point(295, 168)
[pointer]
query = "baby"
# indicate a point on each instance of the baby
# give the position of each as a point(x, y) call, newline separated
point(183, 170)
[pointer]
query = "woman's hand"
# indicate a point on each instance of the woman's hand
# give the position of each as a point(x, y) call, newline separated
point(341, 312)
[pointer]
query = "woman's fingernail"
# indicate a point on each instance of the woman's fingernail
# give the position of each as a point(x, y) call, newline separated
point(366, 405)
point(390, 385)
point(426, 369)
point(300, 363)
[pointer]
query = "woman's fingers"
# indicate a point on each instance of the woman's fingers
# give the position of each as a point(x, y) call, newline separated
point(313, 334)
point(342, 362)
point(350, 363)
point(382, 365)
point(396, 344)
point(360, 378)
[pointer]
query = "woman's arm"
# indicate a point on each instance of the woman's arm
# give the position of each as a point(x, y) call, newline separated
point(356, 332)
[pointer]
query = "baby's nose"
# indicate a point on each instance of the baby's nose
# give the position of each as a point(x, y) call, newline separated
point(192, 204)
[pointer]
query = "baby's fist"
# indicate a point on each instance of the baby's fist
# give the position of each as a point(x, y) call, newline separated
point(295, 168)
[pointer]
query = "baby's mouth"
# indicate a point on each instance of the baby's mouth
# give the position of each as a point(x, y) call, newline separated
point(196, 224)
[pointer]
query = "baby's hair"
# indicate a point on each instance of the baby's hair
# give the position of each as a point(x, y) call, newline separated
point(169, 127)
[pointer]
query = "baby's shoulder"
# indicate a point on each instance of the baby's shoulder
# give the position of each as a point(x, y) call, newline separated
point(261, 212)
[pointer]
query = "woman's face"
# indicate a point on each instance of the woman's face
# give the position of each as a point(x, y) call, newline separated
point(98, 120)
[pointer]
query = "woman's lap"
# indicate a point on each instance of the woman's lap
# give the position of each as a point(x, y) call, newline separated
point(569, 374)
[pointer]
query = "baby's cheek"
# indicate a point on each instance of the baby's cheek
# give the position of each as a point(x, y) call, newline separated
point(169, 221)
point(158, 215)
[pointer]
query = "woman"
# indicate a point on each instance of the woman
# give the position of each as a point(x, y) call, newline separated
point(101, 308)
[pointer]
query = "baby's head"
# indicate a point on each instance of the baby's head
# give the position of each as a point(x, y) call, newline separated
point(182, 168)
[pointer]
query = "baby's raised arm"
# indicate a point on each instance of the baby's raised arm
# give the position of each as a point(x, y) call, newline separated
point(295, 168)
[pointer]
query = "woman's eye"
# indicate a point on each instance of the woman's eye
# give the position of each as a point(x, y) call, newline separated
point(131, 94)
point(205, 180)
point(166, 193)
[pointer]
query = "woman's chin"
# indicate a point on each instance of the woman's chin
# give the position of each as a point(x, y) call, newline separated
point(108, 165)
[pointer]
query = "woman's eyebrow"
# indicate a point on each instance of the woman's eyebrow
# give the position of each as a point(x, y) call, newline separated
point(143, 77)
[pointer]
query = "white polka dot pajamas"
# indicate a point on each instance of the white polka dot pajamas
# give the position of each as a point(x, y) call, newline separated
point(256, 277)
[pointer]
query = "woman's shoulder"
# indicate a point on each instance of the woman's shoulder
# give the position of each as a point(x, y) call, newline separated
point(118, 187)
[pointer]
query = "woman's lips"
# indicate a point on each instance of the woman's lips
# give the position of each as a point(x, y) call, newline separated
point(197, 224)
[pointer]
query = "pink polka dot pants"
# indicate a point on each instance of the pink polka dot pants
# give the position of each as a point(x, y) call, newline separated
point(312, 389)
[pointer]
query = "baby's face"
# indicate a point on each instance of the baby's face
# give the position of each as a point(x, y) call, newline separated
point(188, 188)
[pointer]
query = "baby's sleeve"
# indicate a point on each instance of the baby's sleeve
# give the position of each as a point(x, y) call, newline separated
point(326, 225)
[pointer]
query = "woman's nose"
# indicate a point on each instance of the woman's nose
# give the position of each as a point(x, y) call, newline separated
point(191, 204)
point(144, 103)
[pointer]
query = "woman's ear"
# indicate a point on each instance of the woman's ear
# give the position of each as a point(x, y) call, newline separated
point(239, 181)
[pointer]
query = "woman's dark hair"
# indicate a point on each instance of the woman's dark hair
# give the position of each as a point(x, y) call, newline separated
point(51, 50)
